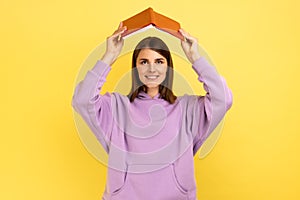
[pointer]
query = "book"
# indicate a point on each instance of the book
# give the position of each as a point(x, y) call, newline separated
point(150, 19)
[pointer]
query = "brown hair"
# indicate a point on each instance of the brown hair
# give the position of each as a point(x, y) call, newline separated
point(165, 88)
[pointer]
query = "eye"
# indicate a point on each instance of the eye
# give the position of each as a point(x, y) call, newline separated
point(160, 62)
point(143, 62)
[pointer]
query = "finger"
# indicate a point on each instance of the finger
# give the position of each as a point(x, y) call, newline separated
point(119, 31)
point(186, 33)
point(120, 25)
point(181, 31)
point(187, 36)
point(119, 38)
point(120, 28)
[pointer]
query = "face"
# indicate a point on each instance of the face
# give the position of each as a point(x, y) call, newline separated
point(152, 68)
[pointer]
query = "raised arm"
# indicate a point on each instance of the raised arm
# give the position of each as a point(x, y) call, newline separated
point(96, 109)
point(210, 109)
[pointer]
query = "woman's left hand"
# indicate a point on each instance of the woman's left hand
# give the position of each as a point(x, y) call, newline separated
point(190, 46)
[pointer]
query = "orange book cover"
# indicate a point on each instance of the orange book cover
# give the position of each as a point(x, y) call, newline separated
point(150, 17)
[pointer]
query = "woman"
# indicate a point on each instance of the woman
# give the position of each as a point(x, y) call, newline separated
point(151, 136)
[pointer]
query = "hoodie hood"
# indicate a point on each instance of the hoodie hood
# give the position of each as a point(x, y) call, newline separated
point(144, 95)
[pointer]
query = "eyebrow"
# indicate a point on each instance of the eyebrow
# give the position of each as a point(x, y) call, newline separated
point(155, 59)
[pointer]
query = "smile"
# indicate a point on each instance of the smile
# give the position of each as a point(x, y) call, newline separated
point(152, 77)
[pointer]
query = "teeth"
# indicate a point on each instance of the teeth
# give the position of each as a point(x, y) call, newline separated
point(151, 77)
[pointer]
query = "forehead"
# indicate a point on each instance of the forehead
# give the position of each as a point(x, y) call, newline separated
point(149, 54)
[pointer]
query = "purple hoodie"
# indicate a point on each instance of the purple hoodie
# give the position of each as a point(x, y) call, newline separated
point(150, 142)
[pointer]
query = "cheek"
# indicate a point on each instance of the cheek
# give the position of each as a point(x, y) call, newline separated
point(163, 73)
point(162, 70)
point(142, 69)
point(141, 72)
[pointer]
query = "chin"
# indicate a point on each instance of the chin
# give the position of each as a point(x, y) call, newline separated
point(152, 85)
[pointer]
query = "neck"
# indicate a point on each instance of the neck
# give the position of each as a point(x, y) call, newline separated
point(152, 91)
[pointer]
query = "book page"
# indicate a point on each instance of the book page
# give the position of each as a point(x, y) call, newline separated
point(140, 30)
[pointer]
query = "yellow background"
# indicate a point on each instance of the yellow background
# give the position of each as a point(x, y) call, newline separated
point(254, 44)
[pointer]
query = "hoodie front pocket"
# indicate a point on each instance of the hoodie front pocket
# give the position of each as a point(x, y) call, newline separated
point(179, 186)
point(120, 188)
point(158, 184)
point(116, 181)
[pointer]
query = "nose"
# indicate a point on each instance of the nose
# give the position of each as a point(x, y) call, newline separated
point(152, 67)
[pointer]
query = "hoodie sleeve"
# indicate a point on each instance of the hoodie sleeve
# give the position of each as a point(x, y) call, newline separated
point(94, 108)
point(210, 109)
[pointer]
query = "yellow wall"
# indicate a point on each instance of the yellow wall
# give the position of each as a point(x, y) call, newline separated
point(255, 45)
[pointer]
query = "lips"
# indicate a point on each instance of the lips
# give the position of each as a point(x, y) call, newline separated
point(152, 77)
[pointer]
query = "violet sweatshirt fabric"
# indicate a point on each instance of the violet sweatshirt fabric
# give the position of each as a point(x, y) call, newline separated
point(151, 143)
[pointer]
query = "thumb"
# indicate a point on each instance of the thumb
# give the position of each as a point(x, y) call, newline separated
point(120, 25)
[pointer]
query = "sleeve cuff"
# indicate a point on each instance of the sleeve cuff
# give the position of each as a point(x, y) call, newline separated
point(101, 68)
point(201, 65)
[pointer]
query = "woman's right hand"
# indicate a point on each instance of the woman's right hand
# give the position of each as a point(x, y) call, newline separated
point(114, 45)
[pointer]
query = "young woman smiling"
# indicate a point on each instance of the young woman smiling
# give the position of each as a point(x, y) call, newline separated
point(151, 135)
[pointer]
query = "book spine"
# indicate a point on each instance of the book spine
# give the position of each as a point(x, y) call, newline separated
point(152, 16)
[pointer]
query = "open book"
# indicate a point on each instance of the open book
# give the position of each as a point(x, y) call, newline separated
point(151, 19)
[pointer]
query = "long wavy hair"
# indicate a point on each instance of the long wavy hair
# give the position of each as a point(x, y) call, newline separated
point(165, 88)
